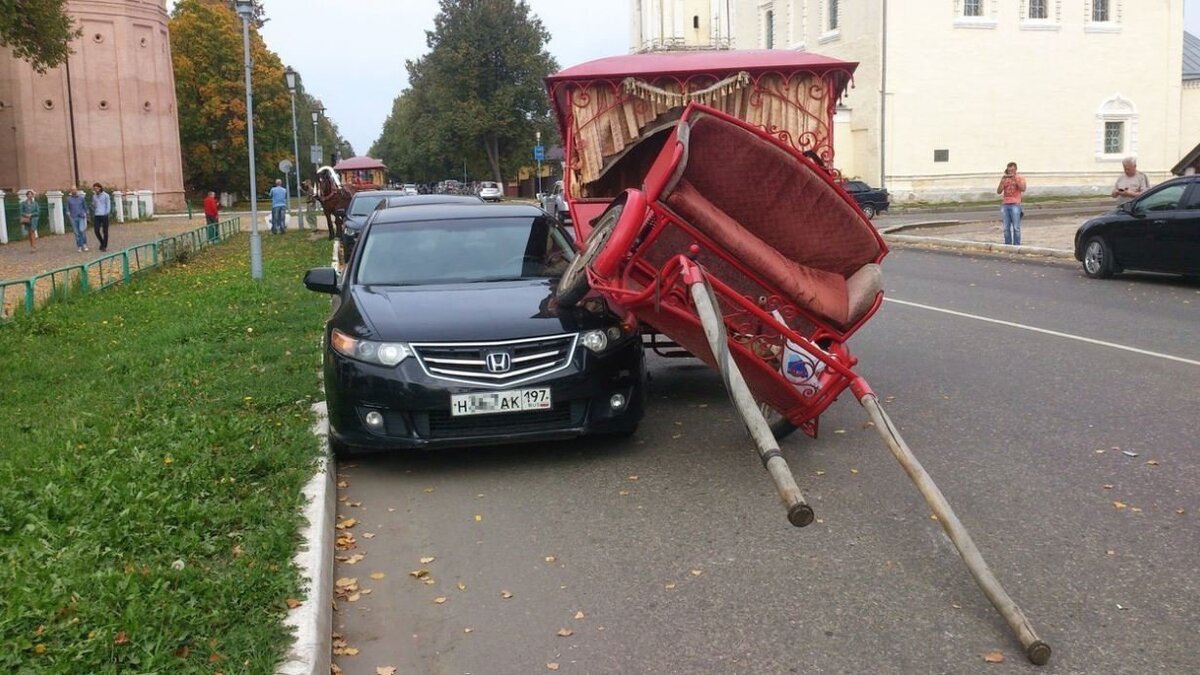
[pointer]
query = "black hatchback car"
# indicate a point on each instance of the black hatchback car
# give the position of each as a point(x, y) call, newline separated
point(870, 200)
point(1159, 231)
point(445, 332)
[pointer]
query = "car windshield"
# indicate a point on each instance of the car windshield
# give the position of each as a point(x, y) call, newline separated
point(487, 184)
point(362, 206)
point(464, 251)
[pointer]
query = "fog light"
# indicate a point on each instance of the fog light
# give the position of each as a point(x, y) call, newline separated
point(374, 420)
point(616, 402)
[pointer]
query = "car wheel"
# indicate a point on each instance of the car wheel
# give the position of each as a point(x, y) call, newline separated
point(574, 283)
point(339, 449)
point(868, 210)
point(1097, 259)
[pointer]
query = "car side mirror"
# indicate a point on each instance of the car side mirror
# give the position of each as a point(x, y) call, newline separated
point(322, 280)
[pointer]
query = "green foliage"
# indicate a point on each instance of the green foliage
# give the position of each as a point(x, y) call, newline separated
point(151, 489)
point(477, 95)
point(37, 31)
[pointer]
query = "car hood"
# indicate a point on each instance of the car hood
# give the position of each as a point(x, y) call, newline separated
point(502, 310)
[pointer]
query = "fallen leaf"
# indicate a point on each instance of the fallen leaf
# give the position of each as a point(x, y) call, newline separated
point(578, 615)
point(428, 581)
point(550, 558)
point(346, 582)
point(440, 600)
point(853, 470)
point(624, 493)
point(385, 670)
point(1110, 552)
point(462, 586)
point(565, 632)
point(293, 603)
point(1108, 486)
point(346, 651)
point(343, 484)
point(1135, 509)
point(1180, 511)
point(697, 573)
point(478, 518)
point(353, 598)
point(552, 666)
point(820, 473)
point(670, 586)
point(1119, 505)
point(993, 657)
point(429, 489)
point(1121, 607)
point(505, 594)
point(346, 524)
point(868, 424)
point(1152, 462)
point(121, 639)
point(377, 575)
point(419, 574)
point(368, 535)
point(1129, 453)
point(427, 559)
point(633, 478)
point(354, 559)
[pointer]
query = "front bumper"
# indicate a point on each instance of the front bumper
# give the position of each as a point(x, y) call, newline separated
point(416, 406)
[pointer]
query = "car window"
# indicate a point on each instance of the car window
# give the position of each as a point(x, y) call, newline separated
point(1165, 199)
point(856, 186)
point(464, 251)
point(1192, 200)
point(361, 206)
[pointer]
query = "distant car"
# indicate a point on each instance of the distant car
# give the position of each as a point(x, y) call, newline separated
point(1159, 231)
point(870, 200)
point(490, 191)
point(555, 204)
point(362, 204)
point(423, 200)
point(446, 333)
point(410, 189)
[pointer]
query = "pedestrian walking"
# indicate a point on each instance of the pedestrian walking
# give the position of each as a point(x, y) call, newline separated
point(211, 215)
point(279, 202)
point(101, 208)
point(1011, 187)
point(1131, 182)
point(30, 214)
point(77, 213)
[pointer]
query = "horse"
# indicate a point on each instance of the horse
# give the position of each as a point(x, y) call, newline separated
point(332, 196)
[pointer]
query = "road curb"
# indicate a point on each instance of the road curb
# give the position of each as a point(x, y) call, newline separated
point(980, 246)
point(924, 223)
point(311, 623)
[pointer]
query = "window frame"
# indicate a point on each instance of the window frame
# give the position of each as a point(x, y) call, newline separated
point(1117, 108)
point(985, 19)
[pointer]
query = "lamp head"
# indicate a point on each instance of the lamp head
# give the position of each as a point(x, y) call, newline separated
point(245, 8)
point(289, 76)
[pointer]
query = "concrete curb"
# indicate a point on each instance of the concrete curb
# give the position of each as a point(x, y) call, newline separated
point(980, 246)
point(312, 622)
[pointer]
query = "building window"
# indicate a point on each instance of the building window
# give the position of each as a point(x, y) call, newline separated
point(1037, 9)
point(1114, 138)
point(941, 155)
point(972, 8)
point(1116, 129)
point(976, 13)
point(770, 29)
point(1104, 16)
point(1100, 11)
point(833, 15)
point(695, 21)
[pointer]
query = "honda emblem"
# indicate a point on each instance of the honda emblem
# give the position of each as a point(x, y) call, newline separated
point(498, 362)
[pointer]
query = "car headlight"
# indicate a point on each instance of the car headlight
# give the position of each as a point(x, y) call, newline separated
point(382, 353)
point(594, 340)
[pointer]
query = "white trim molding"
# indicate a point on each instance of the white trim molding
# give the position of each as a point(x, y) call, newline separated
point(1117, 109)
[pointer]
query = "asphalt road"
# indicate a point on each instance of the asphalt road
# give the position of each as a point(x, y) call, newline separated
point(669, 552)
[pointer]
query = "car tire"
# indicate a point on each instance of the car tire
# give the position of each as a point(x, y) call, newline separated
point(1097, 258)
point(868, 211)
point(338, 449)
point(573, 285)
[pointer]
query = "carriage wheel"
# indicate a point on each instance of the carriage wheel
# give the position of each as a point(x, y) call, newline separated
point(573, 284)
point(781, 427)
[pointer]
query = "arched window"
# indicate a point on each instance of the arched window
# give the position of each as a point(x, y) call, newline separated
point(1116, 129)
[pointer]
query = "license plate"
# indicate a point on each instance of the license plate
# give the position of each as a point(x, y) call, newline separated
point(513, 400)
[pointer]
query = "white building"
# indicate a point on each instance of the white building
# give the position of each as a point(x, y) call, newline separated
point(948, 91)
point(659, 25)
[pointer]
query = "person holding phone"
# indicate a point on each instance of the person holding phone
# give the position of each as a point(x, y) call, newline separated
point(1131, 183)
point(1011, 187)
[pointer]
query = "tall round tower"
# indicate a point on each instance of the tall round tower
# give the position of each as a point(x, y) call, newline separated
point(108, 115)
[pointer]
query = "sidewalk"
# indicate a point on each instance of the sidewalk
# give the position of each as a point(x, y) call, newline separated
point(1045, 236)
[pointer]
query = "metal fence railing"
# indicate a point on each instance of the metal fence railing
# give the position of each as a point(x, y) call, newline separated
point(26, 295)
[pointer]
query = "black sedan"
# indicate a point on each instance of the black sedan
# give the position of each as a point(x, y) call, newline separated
point(445, 332)
point(870, 200)
point(361, 205)
point(1157, 232)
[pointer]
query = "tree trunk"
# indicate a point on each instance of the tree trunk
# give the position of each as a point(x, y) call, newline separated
point(492, 145)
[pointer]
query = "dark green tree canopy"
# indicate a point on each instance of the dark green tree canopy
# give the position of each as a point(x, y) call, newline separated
point(37, 31)
point(475, 97)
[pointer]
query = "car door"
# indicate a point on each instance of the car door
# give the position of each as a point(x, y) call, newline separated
point(1143, 241)
point(1182, 233)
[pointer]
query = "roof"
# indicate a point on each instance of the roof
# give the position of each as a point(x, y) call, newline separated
point(1191, 57)
point(714, 62)
point(1188, 160)
point(363, 162)
point(434, 212)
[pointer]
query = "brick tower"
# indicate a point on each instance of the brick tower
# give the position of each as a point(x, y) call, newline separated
point(107, 115)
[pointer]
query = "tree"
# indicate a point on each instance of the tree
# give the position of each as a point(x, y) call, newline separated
point(206, 45)
point(476, 96)
point(37, 31)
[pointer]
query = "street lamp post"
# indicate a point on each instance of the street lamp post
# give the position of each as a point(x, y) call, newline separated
point(316, 115)
point(289, 77)
point(245, 9)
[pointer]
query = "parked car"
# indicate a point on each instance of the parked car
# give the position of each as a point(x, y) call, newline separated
point(410, 189)
point(490, 191)
point(555, 204)
point(1159, 231)
point(362, 204)
point(423, 200)
point(446, 332)
point(870, 200)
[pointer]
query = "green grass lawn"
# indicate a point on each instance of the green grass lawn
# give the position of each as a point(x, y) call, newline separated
point(154, 439)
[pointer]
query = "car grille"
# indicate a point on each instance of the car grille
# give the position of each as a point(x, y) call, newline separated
point(527, 359)
point(444, 425)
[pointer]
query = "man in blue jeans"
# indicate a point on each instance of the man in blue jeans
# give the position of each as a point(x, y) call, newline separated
point(279, 203)
point(1011, 188)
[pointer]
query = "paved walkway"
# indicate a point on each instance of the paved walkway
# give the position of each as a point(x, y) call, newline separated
point(1050, 234)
